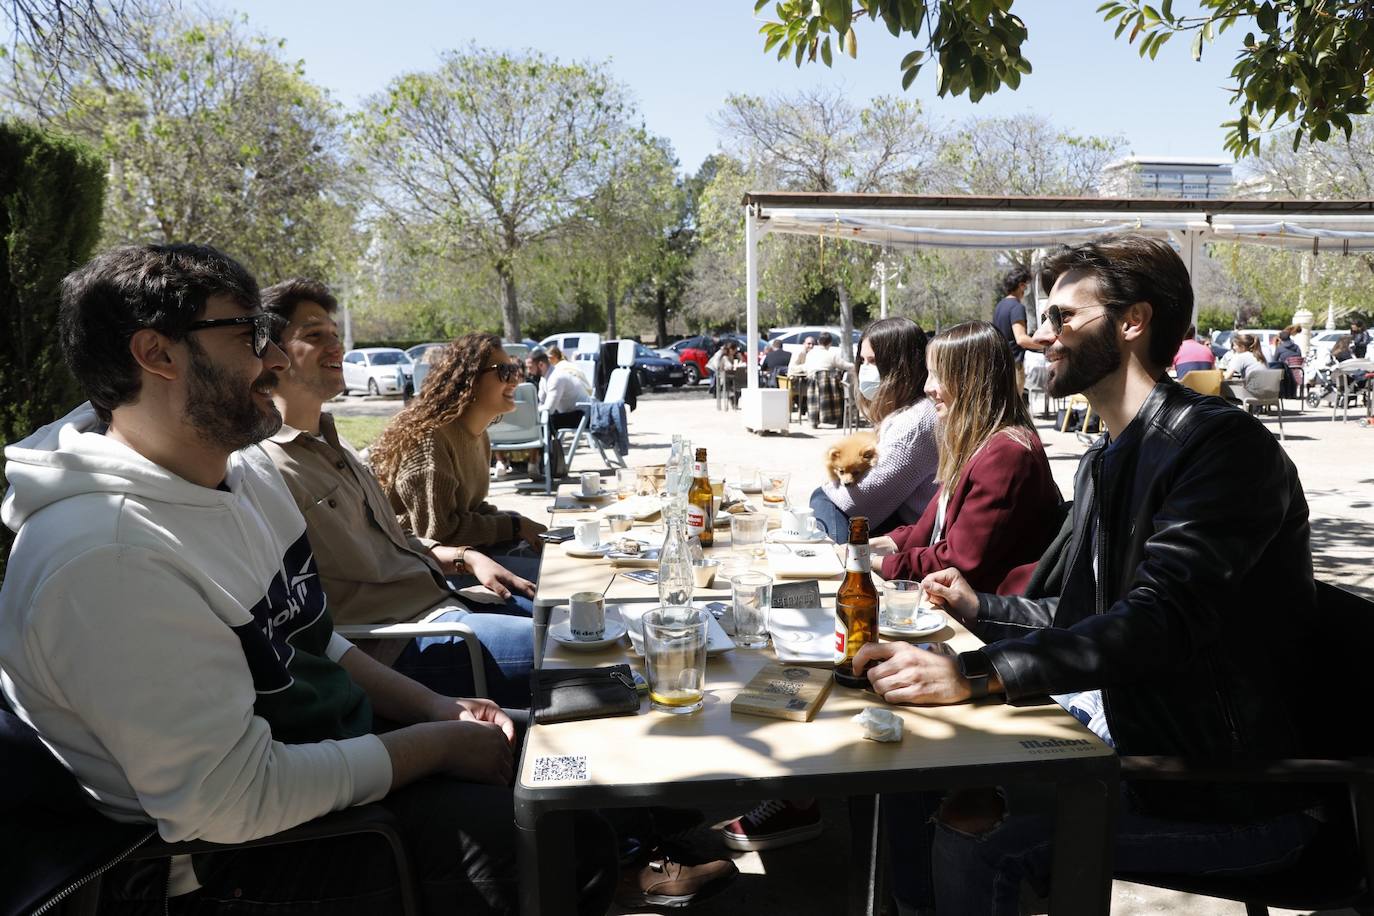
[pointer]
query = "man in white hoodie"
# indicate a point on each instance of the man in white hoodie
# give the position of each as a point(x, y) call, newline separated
point(163, 629)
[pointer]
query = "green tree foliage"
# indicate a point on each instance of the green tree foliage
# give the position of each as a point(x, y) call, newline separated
point(50, 199)
point(817, 140)
point(1304, 63)
point(489, 154)
point(212, 138)
point(620, 231)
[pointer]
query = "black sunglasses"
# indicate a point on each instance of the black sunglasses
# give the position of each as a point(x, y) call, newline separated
point(506, 372)
point(266, 327)
point(1056, 318)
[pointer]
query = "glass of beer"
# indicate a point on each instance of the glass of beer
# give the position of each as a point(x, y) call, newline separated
point(675, 658)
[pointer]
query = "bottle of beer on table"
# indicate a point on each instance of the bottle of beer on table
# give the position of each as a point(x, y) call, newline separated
point(700, 515)
point(856, 607)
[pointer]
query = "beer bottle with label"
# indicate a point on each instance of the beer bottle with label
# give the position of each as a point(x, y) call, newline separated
point(856, 607)
point(700, 517)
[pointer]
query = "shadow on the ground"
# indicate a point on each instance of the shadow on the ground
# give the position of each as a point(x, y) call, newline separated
point(1341, 552)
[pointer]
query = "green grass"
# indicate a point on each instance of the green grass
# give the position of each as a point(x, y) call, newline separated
point(360, 431)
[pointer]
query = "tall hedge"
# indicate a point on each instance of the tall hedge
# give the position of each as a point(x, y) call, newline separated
point(51, 193)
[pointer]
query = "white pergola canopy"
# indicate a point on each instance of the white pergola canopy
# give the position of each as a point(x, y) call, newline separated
point(907, 222)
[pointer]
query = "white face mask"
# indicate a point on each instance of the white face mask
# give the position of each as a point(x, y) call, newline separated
point(869, 380)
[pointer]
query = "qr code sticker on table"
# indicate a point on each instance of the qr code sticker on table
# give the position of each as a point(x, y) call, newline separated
point(560, 768)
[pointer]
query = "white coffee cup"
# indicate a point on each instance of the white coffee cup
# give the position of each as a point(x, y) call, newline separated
point(588, 533)
point(798, 520)
point(591, 483)
point(588, 617)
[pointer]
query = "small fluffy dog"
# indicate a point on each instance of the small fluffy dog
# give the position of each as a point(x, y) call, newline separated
point(848, 460)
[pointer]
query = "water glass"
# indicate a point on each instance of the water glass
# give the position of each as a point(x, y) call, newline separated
point(752, 593)
point(774, 484)
point(626, 482)
point(746, 533)
point(902, 602)
point(675, 658)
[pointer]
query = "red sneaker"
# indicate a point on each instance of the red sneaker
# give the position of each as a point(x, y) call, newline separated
point(773, 824)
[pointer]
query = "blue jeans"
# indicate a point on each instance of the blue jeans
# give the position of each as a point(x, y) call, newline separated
point(443, 665)
point(983, 873)
point(831, 519)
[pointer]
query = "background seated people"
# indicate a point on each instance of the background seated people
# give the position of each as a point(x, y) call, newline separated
point(373, 571)
point(561, 389)
point(775, 363)
point(432, 460)
point(1192, 355)
point(825, 357)
point(901, 482)
point(997, 508)
point(1286, 348)
point(163, 630)
point(1247, 355)
point(723, 361)
point(796, 366)
point(1177, 580)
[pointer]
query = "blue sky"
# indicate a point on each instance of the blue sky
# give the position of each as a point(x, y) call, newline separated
point(681, 59)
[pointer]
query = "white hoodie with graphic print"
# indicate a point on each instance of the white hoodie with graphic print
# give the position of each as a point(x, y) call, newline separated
point(143, 617)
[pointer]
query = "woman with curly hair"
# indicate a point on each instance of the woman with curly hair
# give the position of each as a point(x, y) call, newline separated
point(433, 458)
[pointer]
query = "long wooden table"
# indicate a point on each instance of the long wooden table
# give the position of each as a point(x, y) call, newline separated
point(715, 756)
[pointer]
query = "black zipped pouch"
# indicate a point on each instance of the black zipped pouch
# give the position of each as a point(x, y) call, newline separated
point(568, 694)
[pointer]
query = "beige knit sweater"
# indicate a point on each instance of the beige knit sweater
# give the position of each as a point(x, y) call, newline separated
point(440, 490)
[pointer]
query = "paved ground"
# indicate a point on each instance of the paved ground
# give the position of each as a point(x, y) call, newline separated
point(1333, 460)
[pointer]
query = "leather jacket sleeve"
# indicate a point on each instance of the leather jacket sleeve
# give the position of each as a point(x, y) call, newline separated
point(1219, 504)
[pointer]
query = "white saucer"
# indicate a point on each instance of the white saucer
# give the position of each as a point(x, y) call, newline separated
point(562, 633)
point(582, 497)
point(574, 549)
point(934, 622)
point(778, 536)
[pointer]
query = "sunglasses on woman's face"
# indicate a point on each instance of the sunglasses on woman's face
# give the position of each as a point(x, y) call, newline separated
point(506, 372)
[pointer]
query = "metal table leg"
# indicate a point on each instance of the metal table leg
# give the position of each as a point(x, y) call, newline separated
point(546, 862)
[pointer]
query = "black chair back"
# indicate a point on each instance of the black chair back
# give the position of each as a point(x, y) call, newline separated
point(49, 834)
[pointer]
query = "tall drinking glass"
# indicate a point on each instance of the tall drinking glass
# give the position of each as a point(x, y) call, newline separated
point(746, 533)
point(675, 658)
point(753, 599)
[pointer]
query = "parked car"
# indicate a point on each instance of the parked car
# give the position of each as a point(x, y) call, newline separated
point(573, 342)
point(691, 353)
point(378, 370)
point(792, 337)
point(653, 370)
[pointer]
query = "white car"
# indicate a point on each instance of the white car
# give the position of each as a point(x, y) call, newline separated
point(377, 370)
point(573, 343)
point(792, 337)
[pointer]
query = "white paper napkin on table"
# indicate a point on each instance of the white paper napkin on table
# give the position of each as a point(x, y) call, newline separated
point(803, 635)
point(804, 561)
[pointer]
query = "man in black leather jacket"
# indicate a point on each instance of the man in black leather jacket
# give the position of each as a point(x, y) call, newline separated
point(1190, 548)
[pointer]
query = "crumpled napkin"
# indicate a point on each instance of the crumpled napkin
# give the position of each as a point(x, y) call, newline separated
point(880, 724)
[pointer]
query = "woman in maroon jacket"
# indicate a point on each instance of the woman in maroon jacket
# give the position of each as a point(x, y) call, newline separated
point(996, 510)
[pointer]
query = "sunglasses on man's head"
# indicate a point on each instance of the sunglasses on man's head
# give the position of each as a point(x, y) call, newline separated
point(266, 328)
point(506, 372)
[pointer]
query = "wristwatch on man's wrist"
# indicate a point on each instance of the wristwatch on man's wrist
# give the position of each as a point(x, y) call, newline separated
point(976, 668)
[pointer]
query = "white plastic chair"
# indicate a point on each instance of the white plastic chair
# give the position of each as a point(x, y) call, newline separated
point(522, 430)
point(355, 632)
point(616, 388)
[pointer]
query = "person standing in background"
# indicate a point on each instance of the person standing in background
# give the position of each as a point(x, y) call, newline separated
point(1009, 317)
